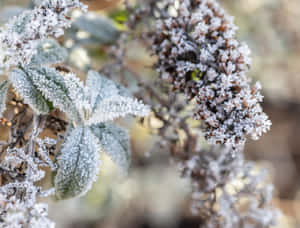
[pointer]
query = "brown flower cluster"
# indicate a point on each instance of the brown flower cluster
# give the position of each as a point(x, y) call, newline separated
point(199, 55)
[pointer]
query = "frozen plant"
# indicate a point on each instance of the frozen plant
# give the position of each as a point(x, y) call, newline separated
point(202, 67)
point(28, 55)
point(199, 55)
point(18, 194)
point(20, 36)
point(228, 191)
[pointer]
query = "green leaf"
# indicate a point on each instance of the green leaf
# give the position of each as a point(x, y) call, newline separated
point(100, 88)
point(3, 92)
point(78, 164)
point(49, 52)
point(28, 90)
point(100, 28)
point(115, 107)
point(52, 85)
point(115, 142)
point(197, 75)
point(120, 16)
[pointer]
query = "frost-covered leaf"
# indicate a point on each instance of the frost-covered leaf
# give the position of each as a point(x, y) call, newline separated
point(115, 107)
point(100, 100)
point(61, 90)
point(110, 100)
point(78, 163)
point(48, 52)
point(3, 91)
point(100, 88)
point(115, 142)
point(25, 86)
point(100, 28)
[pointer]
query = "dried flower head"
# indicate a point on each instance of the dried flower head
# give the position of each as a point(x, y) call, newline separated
point(19, 192)
point(227, 191)
point(199, 55)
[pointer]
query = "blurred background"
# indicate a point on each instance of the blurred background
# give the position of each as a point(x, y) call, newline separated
point(154, 195)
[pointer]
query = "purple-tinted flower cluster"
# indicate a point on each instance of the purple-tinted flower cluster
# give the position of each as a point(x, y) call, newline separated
point(199, 55)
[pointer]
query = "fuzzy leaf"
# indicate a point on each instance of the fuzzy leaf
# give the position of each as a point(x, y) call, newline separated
point(78, 163)
point(53, 86)
point(49, 52)
point(100, 88)
point(115, 142)
point(3, 92)
point(115, 107)
point(100, 28)
point(25, 86)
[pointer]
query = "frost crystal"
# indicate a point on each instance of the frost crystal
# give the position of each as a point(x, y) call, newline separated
point(20, 37)
point(198, 54)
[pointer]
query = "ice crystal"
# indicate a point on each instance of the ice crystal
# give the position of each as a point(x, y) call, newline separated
point(198, 54)
point(21, 36)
